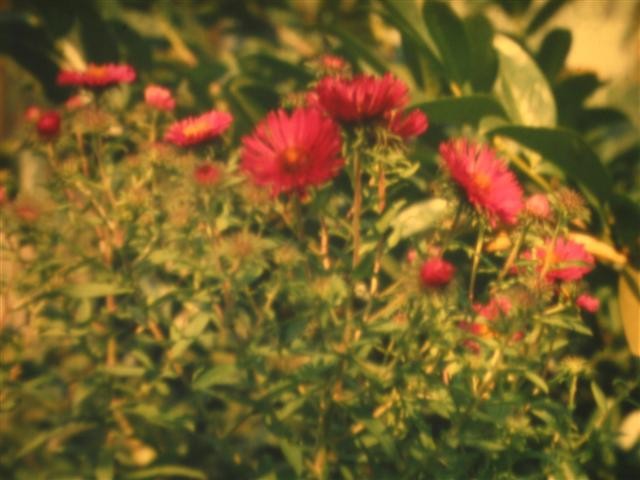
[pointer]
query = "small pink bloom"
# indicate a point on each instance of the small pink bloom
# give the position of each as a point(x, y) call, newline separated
point(537, 206)
point(194, 130)
point(48, 125)
point(517, 336)
point(588, 303)
point(206, 175)
point(97, 76)
point(75, 102)
point(436, 272)
point(408, 125)
point(471, 345)
point(412, 255)
point(32, 114)
point(333, 63)
point(3, 195)
point(159, 98)
point(487, 182)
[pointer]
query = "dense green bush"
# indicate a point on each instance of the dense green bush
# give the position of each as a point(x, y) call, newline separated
point(326, 293)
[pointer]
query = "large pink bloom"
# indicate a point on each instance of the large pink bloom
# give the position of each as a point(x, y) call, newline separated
point(292, 152)
point(361, 98)
point(97, 76)
point(194, 130)
point(489, 185)
point(567, 261)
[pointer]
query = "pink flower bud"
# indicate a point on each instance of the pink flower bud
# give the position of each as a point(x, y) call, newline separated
point(159, 98)
point(588, 303)
point(537, 206)
point(49, 124)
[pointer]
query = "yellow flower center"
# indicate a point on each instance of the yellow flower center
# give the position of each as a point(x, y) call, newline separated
point(481, 180)
point(196, 129)
point(96, 72)
point(293, 159)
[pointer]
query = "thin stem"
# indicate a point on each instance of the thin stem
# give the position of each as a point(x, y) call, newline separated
point(476, 261)
point(382, 188)
point(324, 245)
point(357, 206)
point(513, 254)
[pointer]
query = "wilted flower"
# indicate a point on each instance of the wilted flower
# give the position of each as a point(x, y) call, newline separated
point(98, 76)
point(489, 185)
point(407, 125)
point(588, 303)
point(537, 206)
point(292, 152)
point(361, 98)
point(436, 272)
point(497, 306)
point(48, 125)
point(194, 130)
point(566, 261)
point(159, 98)
point(206, 174)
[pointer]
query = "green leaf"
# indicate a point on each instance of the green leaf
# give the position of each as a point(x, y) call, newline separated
point(174, 471)
point(418, 218)
point(547, 11)
point(123, 371)
point(461, 110)
point(94, 290)
point(293, 454)
point(553, 52)
point(219, 375)
point(357, 49)
point(598, 395)
point(483, 58)
point(450, 38)
point(521, 86)
point(567, 150)
point(537, 380)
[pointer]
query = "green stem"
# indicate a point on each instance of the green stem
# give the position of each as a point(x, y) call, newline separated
point(513, 254)
point(476, 261)
point(357, 206)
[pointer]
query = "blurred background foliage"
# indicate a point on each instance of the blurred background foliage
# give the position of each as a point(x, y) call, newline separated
point(558, 77)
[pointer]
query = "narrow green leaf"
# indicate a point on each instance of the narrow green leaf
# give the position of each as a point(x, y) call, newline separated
point(293, 454)
point(537, 380)
point(94, 290)
point(462, 110)
point(450, 37)
point(174, 471)
point(521, 87)
point(218, 375)
point(599, 397)
point(123, 371)
point(568, 151)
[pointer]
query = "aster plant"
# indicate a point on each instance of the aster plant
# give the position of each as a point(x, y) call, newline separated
point(352, 285)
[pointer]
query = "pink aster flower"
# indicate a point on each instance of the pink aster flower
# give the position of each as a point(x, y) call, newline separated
point(293, 152)
point(361, 98)
point(97, 76)
point(537, 206)
point(588, 303)
point(194, 130)
point(407, 125)
point(489, 185)
point(567, 261)
point(159, 98)
point(206, 174)
point(436, 272)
